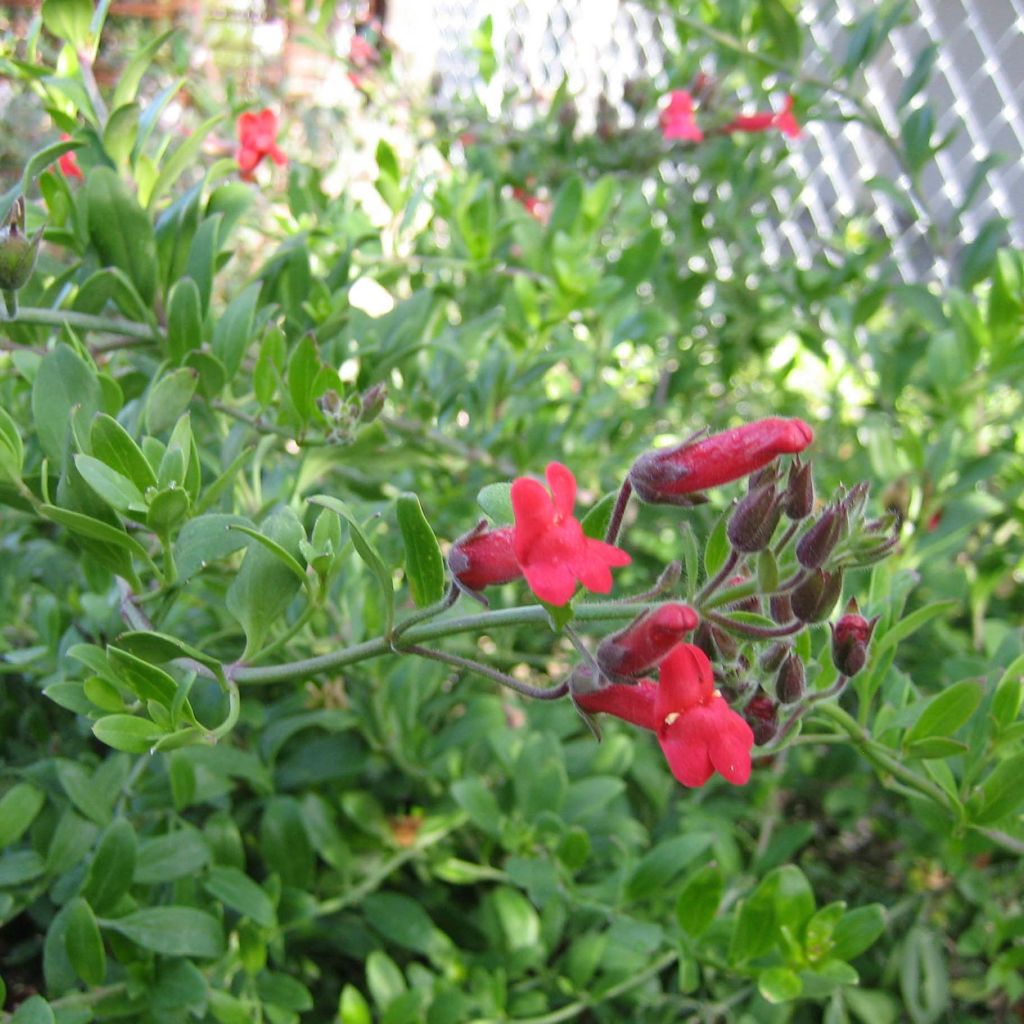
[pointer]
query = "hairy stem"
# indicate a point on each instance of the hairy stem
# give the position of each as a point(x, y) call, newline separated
point(621, 503)
point(456, 660)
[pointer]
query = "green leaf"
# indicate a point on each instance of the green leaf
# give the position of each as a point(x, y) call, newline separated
point(119, 132)
point(168, 509)
point(112, 444)
point(924, 980)
point(661, 865)
point(595, 522)
point(234, 330)
point(239, 892)
point(857, 931)
point(84, 944)
point(169, 398)
point(1001, 793)
point(94, 528)
point(979, 257)
point(206, 539)
point(82, 791)
point(128, 733)
point(917, 130)
point(12, 450)
point(120, 230)
point(496, 501)
point(35, 1010)
point(946, 712)
point(779, 984)
point(479, 803)
point(1007, 700)
point(110, 873)
point(18, 809)
point(173, 166)
point(63, 383)
point(699, 900)
point(717, 548)
point(172, 931)
point(184, 319)
point(110, 486)
point(913, 622)
point(919, 75)
point(69, 20)
point(367, 552)
point(353, 1007)
point(303, 366)
point(424, 564)
point(179, 854)
point(284, 842)
point(130, 76)
point(152, 646)
point(402, 921)
point(146, 681)
point(202, 255)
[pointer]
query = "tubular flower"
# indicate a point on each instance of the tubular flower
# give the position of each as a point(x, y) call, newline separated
point(667, 475)
point(549, 542)
point(68, 162)
point(699, 733)
point(678, 120)
point(645, 641)
point(783, 120)
point(484, 558)
point(257, 134)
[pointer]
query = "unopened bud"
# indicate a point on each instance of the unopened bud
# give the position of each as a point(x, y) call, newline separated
point(744, 604)
point(754, 520)
point(716, 643)
point(791, 682)
point(17, 251)
point(372, 402)
point(645, 641)
point(814, 547)
point(850, 638)
point(483, 558)
point(774, 656)
point(762, 715)
point(781, 609)
point(855, 502)
point(799, 490)
point(814, 599)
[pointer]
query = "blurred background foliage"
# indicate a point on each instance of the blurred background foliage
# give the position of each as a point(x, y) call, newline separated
point(396, 841)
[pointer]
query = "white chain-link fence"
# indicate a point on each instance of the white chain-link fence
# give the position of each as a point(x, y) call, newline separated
point(976, 91)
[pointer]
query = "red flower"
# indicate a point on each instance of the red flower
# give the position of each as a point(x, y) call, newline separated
point(68, 162)
point(362, 53)
point(645, 641)
point(667, 475)
point(484, 558)
point(678, 120)
point(539, 209)
point(257, 134)
point(699, 733)
point(549, 542)
point(783, 120)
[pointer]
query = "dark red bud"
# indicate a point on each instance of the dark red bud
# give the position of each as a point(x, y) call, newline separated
point(791, 682)
point(664, 475)
point(645, 641)
point(754, 520)
point(799, 491)
point(716, 643)
point(762, 715)
point(484, 558)
point(814, 547)
point(774, 656)
point(814, 599)
point(850, 638)
point(372, 402)
point(781, 609)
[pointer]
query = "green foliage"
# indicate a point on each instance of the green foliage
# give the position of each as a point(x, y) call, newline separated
point(257, 766)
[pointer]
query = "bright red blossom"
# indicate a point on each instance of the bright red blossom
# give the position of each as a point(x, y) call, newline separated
point(484, 558)
point(699, 733)
point(645, 641)
point(783, 120)
point(68, 162)
point(678, 120)
point(257, 135)
point(549, 542)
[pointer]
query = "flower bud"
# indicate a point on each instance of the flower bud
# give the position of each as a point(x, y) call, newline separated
point(372, 402)
point(814, 599)
point(17, 251)
point(645, 641)
point(791, 682)
point(854, 503)
point(744, 604)
point(716, 643)
point(762, 715)
point(781, 608)
point(799, 490)
point(484, 558)
point(814, 547)
point(850, 638)
point(774, 656)
point(669, 475)
point(754, 520)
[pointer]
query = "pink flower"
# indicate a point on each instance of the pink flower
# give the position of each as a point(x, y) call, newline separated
point(699, 733)
point(678, 120)
point(668, 475)
point(362, 53)
point(539, 209)
point(783, 120)
point(68, 162)
point(257, 135)
point(549, 542)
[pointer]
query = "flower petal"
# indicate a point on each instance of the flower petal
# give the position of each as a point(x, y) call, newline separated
point(551, 581)
point(563, 488)
point(533, 511)
point(686, 750)
point(729, 747)
point(687, 680)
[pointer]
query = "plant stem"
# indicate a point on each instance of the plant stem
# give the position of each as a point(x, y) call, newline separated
point(719, 578)
point(538, 692)
point(526, 615)
point(426, 614)
point(621, 503)
point(140, 333)
point(749, 629)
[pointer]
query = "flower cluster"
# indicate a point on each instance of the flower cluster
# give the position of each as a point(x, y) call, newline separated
point(257, 138)
point(678, 119)
point(707, 697)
